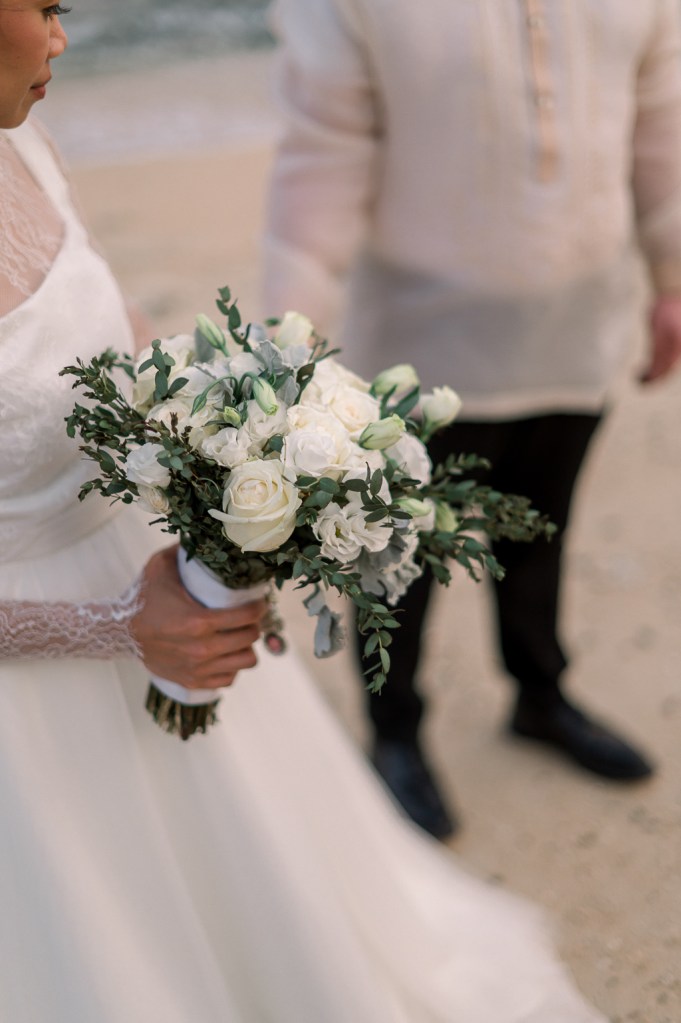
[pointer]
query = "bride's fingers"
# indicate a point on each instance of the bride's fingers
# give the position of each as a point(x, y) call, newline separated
point(222, 672)
point(190, 660)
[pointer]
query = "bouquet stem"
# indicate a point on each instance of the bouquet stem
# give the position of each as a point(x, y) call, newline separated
point(180, 718)
point(175, 709)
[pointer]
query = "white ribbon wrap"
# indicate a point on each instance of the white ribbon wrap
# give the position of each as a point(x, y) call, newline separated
point(204, 586)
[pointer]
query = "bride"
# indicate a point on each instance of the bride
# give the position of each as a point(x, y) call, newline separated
point(254, 875)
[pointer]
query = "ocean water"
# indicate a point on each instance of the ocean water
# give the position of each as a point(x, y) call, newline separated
point(111, 35)
point(152, 77)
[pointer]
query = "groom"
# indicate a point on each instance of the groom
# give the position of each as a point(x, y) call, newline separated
point(461, 185)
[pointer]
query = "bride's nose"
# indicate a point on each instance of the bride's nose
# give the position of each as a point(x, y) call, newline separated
point(58, 40)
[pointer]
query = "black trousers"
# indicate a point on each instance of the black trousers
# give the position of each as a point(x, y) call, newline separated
point(540, 458)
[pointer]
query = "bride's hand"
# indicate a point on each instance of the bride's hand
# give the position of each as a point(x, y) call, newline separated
point(185, 642)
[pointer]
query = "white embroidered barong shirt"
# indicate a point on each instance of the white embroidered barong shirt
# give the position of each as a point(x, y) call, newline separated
point(471, 181)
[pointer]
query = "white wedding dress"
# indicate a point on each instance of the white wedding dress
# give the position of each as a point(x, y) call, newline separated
point(257, 874)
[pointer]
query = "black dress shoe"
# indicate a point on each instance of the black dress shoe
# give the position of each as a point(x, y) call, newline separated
point(405, 772)
point(586, 741)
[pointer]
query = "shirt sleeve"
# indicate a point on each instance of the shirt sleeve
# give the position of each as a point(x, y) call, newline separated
point(657, 150)
point(324, 175)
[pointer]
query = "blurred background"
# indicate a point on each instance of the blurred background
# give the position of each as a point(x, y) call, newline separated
point(112, 36)
point(132, 62)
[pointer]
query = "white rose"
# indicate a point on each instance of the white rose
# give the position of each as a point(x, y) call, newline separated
point(316, 443)
point(153, 499)
point(355, 409)
point(259, 505)
point(344, 532)
point(142, 466)
point(294, 329)
point(229, 447)
point(327, 374)
point(412, 457)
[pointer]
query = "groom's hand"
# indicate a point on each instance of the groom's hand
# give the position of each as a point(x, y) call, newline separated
point(665, 330)
point(185, 642)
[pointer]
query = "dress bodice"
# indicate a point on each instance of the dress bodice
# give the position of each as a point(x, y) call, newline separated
point(76, 311)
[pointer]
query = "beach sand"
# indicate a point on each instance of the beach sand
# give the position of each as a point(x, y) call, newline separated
point(179, 220)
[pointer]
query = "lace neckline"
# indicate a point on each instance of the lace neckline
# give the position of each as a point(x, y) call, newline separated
point(31, 229)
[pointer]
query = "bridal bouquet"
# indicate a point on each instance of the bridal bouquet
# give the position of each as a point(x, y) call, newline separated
point(272, 462)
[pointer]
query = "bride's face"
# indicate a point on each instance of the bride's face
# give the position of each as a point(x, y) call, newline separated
point(30, 37)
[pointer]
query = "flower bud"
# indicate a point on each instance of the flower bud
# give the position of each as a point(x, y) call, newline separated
point(440, 408)
point(231, 416)
point(446, 519)
point(265, 396)
point(398, 378)
point(382, 434)
point(294, 329)
point(211, 332)
point(417, 509)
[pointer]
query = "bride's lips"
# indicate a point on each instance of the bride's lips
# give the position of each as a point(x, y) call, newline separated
point(40, 88)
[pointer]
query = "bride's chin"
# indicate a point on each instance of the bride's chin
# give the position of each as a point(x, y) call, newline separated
point(17, 117)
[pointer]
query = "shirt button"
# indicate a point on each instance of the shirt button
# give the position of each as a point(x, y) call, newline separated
point(534, 21)
point(545, 100)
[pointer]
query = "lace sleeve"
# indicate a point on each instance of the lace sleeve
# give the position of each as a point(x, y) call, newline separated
point(97, 629)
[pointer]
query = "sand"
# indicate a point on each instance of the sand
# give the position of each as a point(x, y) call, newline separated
point(177, 221)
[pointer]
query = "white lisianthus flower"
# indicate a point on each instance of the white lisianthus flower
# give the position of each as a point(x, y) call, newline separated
point(213, 334)
point(198, 377)
point(400, 378)
point(383, 433)
point(259, 506)
point(264, 395)
point(241, 364)
point(142, 466)
point(230, 416)
point(295, 356)
point(344, 532)
point(422, 511)
point(412, 457)
point(390, 573)
point(439, 408)
point(165, 410)
point(446, 519)
point(360, 459)
point(202, 424)
point(142, 397)
point(316, 443)
point(294, 329)
point(229, 447)
point(259, 426)
point(153, 499)
point(359, 473)
point(180, 348)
